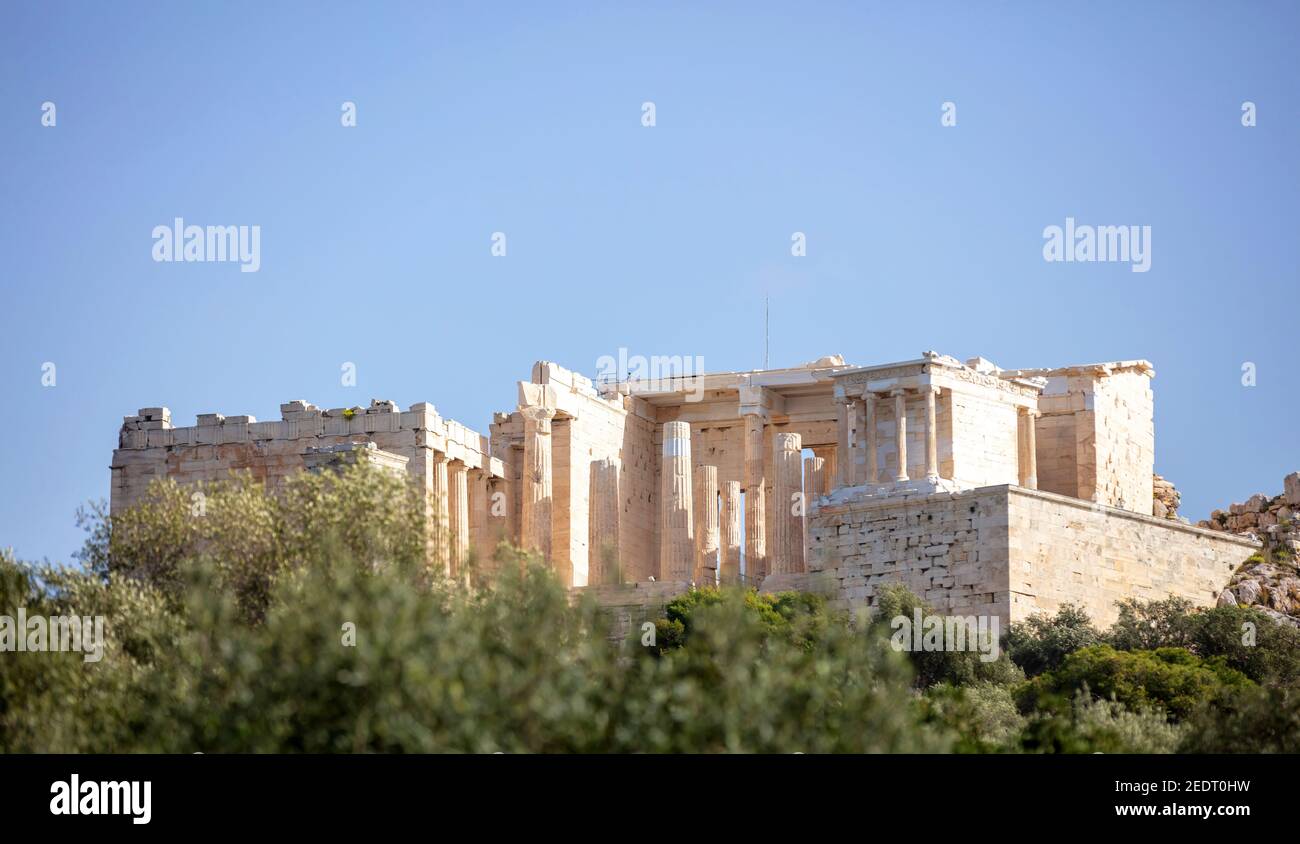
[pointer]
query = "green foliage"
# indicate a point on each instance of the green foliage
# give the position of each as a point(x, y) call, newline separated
point(1090, 725)
point(1247, 639)
point(797, 618)
point(435, 668)
point(959, 667)
point(56, 701)
point(1147, 625)
point(1043, 642)
point(1171, 680)
point(982, 717)
point(253, 538)
point(1254, 720)
point(310, 621)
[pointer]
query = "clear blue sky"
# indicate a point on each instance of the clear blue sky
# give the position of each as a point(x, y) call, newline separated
point(525, 118)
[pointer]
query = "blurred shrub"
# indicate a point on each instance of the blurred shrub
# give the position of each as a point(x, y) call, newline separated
point(1042, 642)
point(1171, 680)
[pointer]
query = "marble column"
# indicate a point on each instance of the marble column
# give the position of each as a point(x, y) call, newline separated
point(537, 483)
point(900, 432)
point(458, 519)
point(869, 421)
point(830, 466)
point(439, 499)
point(604, 522)
point(707, 528)
point(480, 537)
point(931, 434)
point(814, 478)
point(676, 531)
point(846, 447)
point(755, 501)
point(1028, 448)
point(733, 534)
point(787, 555)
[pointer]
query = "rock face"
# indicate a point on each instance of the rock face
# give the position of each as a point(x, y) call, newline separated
point(1273, 588)
point(1270, 580)
point(1166, 499)
point(1261, 514)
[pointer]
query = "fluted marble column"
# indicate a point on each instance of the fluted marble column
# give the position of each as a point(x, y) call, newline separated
point(676, 531)
point(814, 478)
point(846, 446)
point(787, 555)
point(931, 434)
point(755, 501)
point(869, 420)
point(733, 535)
point(900, 432)
point(438, 499)
point(458, 519)
point(707, 528)
point(1028, 448)
point(604, 522)
point(537, 483)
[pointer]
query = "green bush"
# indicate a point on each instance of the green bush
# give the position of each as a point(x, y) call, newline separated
point(1264, 719)
point(1090, 725)
point(1247, 639)
point(797, 618)
point(981, 718)
point(959, 667)
point(1171, 680)
point(1043, 642)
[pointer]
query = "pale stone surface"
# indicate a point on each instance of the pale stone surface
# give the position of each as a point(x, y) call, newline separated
point(458, 518)
point(788, 544)
point(707, 525)
point(733, 533)
point(537, 481)
point(677, 532)
point(606, 517)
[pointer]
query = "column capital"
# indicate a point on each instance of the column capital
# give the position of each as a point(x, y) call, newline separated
point(898, 391)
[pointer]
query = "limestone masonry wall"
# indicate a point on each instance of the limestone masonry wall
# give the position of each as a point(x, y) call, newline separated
point(1065, 550)
point(1010, 552)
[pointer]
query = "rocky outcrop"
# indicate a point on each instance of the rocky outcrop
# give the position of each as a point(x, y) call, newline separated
point(1167, 498)
point(1270, 580)
point(1260, 514)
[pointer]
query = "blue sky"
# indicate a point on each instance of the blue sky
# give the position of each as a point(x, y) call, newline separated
point(525, 118)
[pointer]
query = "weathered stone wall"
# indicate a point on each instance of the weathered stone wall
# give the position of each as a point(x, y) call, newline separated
point(1010, 552)
point(986, 441)
point(1125, 437)
point(1096, 435)
point(1065, 550)
point(948, 548)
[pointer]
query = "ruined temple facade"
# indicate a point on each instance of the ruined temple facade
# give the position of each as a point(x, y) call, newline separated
point(986, 491)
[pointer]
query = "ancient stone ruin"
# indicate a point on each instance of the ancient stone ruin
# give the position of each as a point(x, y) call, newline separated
point(986, 491)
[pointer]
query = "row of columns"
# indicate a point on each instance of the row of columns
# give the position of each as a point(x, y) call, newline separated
point(695, 544)
point(863, 409)
point(449, 512)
